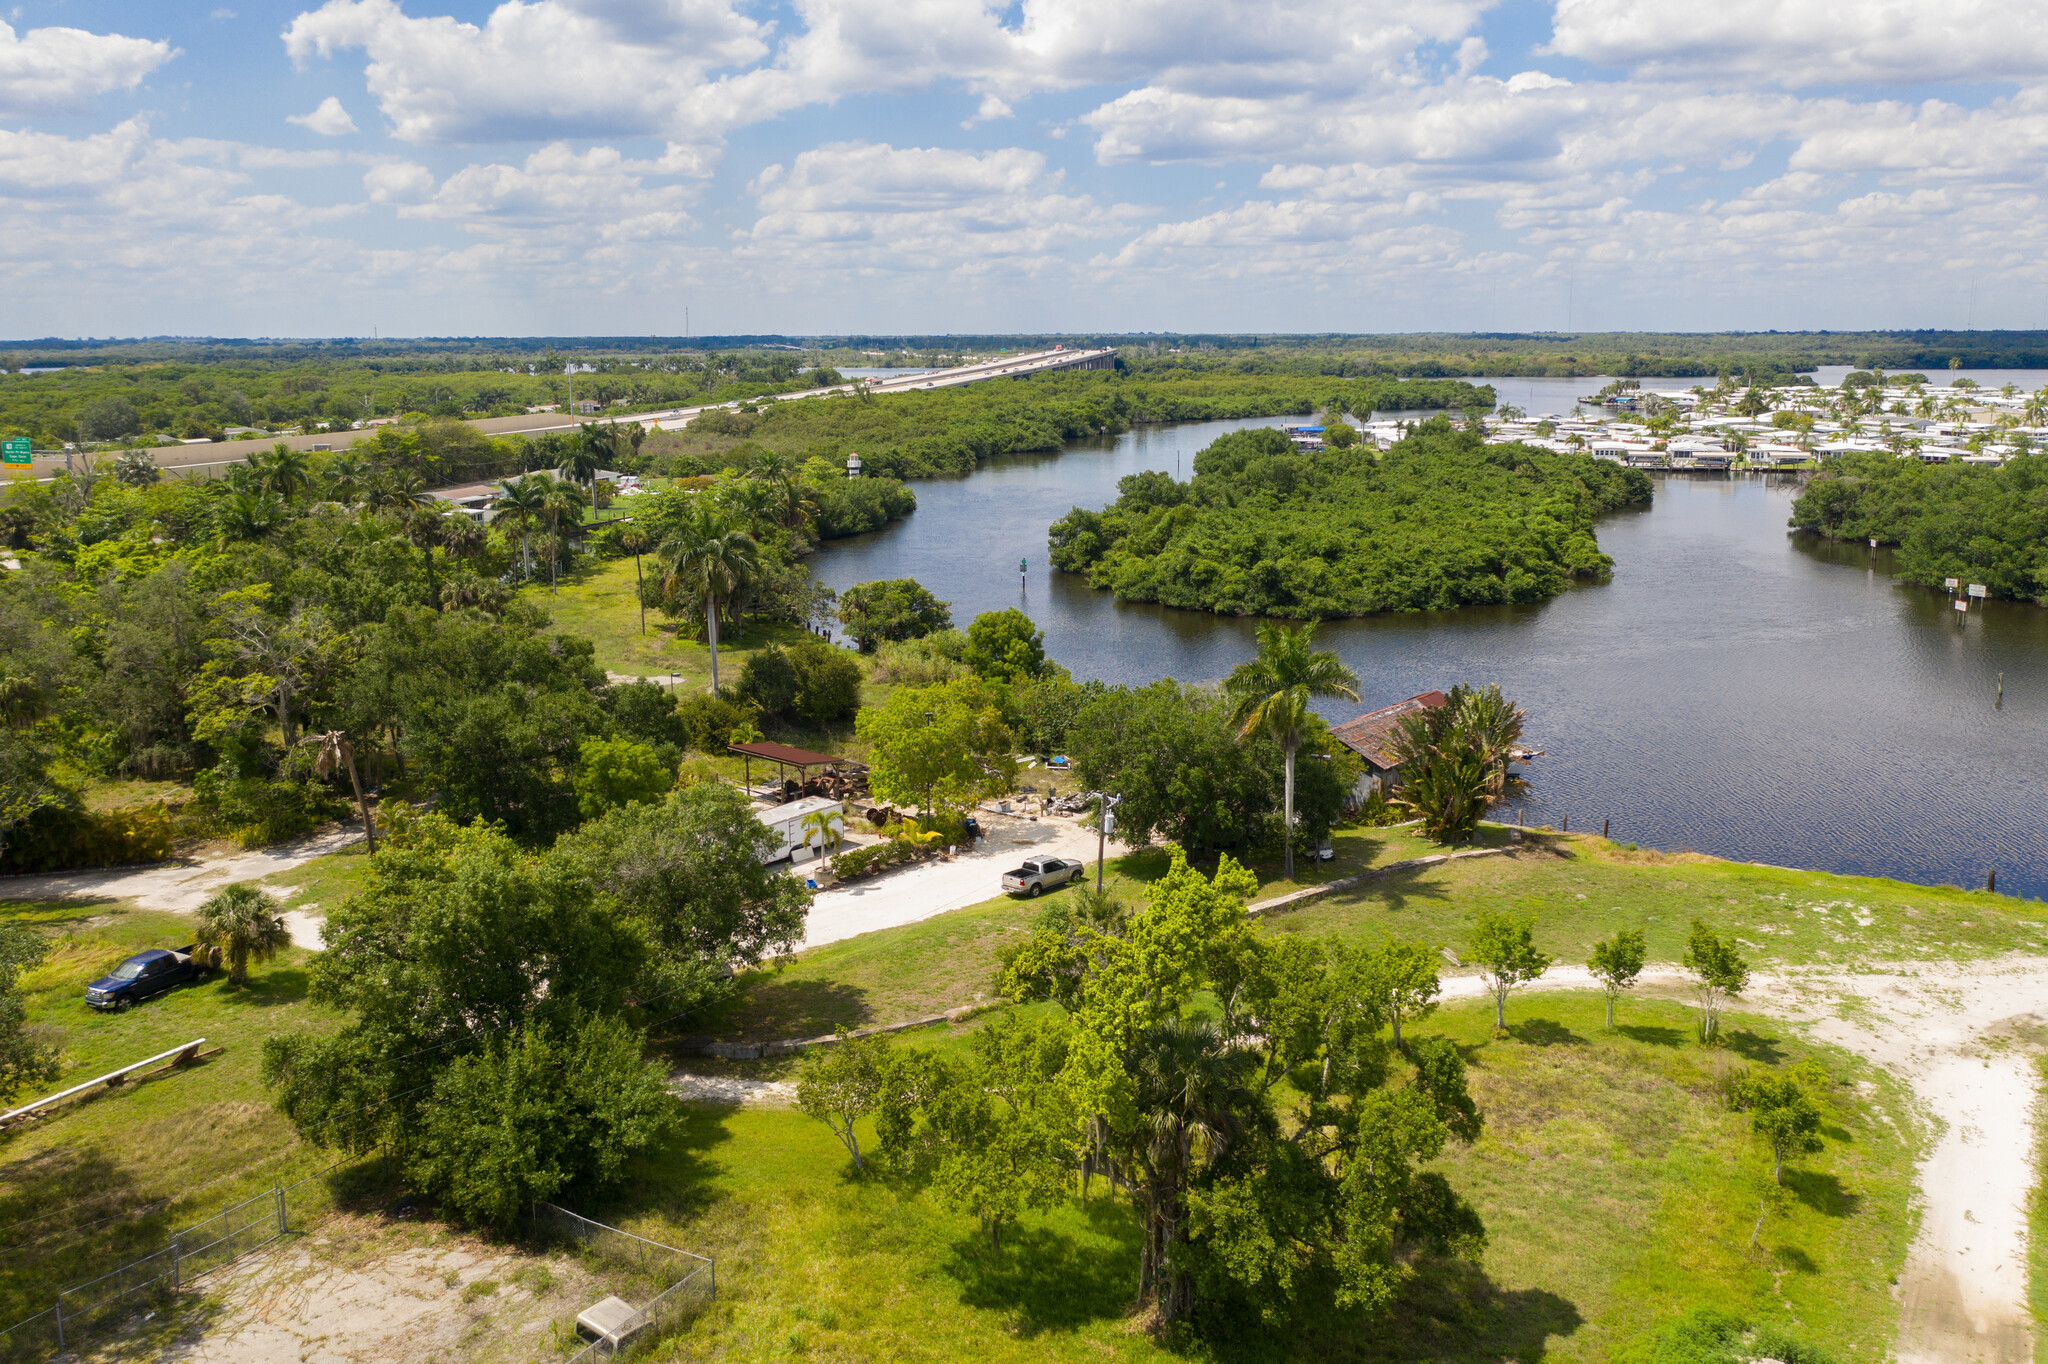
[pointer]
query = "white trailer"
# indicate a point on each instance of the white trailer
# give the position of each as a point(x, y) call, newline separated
point(786, 822)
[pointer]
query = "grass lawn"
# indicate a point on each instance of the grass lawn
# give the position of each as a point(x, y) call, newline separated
point(598, 601)
point(1617, 1188)
point(1580, 889)
point(204, 1137)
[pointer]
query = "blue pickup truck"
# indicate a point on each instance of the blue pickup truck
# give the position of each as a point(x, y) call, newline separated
point(149, 973)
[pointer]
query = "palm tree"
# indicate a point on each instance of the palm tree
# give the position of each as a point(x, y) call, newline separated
point(707, 553)
point(336, 752)
point(819, 825)
point(242, 920)
point(563, 499)
point(397, 491)
point(520, 501)
point(1493, 726)
point(1273, 692)
point(595, 447)
point(248, 516)
point(136, 468)
point(633, 539)
point(346, 478)
point(423, 528)
point(283, 470)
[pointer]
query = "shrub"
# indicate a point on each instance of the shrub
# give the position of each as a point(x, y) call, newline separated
point(922, 662)
point(810, 683)
point(708, 721)
point(62, 838)
point(891, 610)
point(876, 857)
point(615, 772)
point(257, 810)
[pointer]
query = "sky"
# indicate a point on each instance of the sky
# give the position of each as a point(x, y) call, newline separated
point(651, 167)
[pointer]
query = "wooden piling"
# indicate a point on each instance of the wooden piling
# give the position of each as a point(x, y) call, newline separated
point(1603, 828)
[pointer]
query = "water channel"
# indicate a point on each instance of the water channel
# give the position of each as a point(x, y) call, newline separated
point(1735, 689)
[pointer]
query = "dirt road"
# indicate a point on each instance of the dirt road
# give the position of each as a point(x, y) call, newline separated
point(177, 886)
point(1960, 1037)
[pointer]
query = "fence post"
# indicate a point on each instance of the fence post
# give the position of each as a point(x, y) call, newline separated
point(60, 1323)
point(173, 1275)
point(282, 1225)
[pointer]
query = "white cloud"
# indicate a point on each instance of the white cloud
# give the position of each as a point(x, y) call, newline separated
point(872, 206)
point(545, 69)
point(398, 182)
point(329, 120)
point(1794, 45)
point(59, 70)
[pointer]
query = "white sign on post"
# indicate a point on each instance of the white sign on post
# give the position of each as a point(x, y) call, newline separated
point(1951, 584)
point(1978, 590)
point(1962, 605)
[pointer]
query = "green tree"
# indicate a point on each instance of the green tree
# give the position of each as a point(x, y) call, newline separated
point(841, 1084)
point(243, 921)
point(564, 502)
point(1004, 646)
point(1273, 693)
point(941, 748)
point(615, 772)
point(1718, 971)
point(1402, 981)
point(891, 609)
point(549, 1106)
point(1453, 760)
point(1503, 947)
point(1248, 1195)
point(521, 502)
point(810, 683)
point(710, 558)
point(24, 1060)
point(1783, 1113)
point(688, 869)
point(634, 540)
point(1616, 962)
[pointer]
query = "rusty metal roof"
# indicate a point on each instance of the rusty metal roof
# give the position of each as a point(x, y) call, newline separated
point(783, 753)
point(1371, 735)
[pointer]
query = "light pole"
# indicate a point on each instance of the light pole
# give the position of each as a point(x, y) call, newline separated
point(1105, 805)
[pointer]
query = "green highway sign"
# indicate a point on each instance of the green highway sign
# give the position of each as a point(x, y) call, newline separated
point(15, 450)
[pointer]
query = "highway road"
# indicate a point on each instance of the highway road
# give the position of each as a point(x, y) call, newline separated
point(210, 458)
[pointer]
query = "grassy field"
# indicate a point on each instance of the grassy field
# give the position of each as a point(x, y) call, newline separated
point(598, 601)
point(1617, 1187)
point(112, 1172)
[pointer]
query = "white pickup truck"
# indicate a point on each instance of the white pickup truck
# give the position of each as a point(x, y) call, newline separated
point(1040, 874)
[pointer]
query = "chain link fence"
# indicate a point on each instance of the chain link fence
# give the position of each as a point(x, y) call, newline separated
point(149, 1282)
point(687, 1282)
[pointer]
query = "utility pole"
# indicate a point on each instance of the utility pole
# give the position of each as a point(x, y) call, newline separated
point(1104, 804)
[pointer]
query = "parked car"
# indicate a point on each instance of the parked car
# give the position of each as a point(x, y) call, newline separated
point(148, 973)
point(1041, 874)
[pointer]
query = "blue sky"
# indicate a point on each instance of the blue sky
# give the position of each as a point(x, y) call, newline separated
point(598, 166)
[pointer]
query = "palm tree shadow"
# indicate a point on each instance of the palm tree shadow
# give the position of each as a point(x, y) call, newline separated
point(1452, 1310)
point(1046, 1280)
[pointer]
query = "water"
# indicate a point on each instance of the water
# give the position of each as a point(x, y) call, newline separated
point(1734, 689)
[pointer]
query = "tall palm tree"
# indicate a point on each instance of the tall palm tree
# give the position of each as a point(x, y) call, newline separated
point(595, 447)
point(397, 491)
point(520, 501)
point(336, 753)
point(633, 539)
point(1273, 692)
point(709, 554)
point(248, 516)
point(347, 476)
point(423, 528)
point(242, 920)
point(562, 500)
point(283, 470)
point(136, 468)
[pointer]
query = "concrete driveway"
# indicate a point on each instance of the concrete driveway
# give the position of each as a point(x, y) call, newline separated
point(178, 886)
point(917, 893)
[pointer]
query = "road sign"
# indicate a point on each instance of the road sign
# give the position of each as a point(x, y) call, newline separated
point(1978, 590)
point(16, 450)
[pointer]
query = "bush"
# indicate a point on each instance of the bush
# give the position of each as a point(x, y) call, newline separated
point(922, 662)
point(646, 712)
point(891, 610)
point(854, 506)
point(875, 857)
point(1708, 1335)
point(708, 721)
point(257, 810)
point(615, 772)
point(61, 838)
point(809, 683)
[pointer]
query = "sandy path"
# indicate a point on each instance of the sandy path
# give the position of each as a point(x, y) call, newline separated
point(1943, 1029)
point(917, 893)
point(176, 886)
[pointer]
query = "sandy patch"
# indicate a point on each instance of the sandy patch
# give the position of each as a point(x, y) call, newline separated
point(1946, 1031)
point(732, 1091)
point(315, 1302)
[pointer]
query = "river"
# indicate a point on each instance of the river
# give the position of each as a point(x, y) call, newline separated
point(1734, 689)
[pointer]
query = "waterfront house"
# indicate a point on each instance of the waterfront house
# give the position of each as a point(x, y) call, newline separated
point(1371, 737)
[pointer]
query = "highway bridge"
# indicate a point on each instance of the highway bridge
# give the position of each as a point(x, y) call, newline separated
point(211, 459)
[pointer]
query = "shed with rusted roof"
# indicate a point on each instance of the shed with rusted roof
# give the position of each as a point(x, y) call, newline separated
point(1371, 737)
